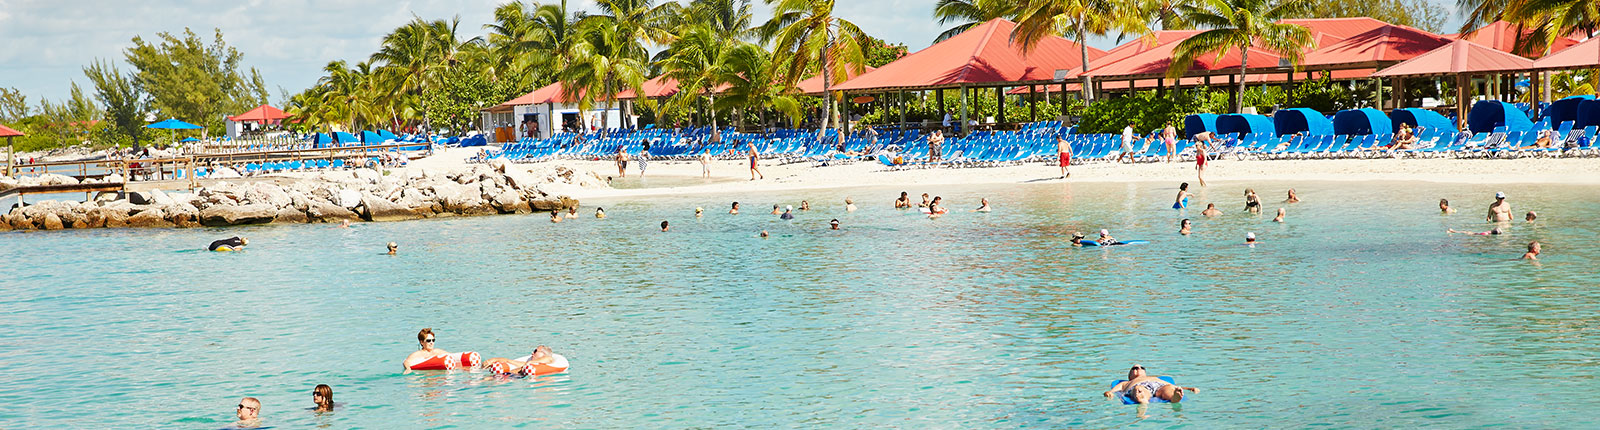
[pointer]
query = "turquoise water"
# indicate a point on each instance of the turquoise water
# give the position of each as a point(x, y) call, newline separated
point(1359, 312)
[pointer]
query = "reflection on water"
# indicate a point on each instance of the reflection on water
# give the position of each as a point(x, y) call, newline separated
point(1360, 311)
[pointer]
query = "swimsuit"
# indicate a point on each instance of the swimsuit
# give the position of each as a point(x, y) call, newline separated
point(1066, 159)
point(1181, 203)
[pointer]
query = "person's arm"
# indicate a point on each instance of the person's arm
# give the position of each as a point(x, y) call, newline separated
point(1490, 218)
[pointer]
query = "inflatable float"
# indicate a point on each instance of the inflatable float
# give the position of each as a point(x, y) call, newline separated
point(462, 360)
point(926, 211)
point(1087, 242)
point(1126, 400)
point(557, 364)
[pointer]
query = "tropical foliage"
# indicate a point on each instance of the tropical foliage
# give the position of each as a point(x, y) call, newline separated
point(1240, 24)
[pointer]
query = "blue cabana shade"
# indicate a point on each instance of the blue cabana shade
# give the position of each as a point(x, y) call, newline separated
point(1420, 118)
point(388, 135)
point(1361, 121)
point(346, 138)
point(1244, 123)
point(174, 124)
point(1297, 120)
point(1488, 114)
point(1564, 110)
point(1588, 114)
point(322, 140)
point(1200, 122)
point(372, 138)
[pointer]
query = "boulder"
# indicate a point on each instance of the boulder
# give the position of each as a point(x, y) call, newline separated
point(522, 179)
point(328, 212)
point(51, 222)
point(17, 221)
point(290, 215)
point(7, 183)
point(54, 179)
point(223, 173)
point(149, 218)
point(553, 203)
point(182, 214)
point(509, 201)
point(224, 215)
point(348, 198)
point(264, 192)
point(114, 178)
point(73, 219)
point(374, 208)
point(367, 175)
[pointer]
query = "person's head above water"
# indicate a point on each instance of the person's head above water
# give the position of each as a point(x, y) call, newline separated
point(1444, 204)
point(1496, 230)
point(249, 408)
point(425, 338)
point(1135, 372)
point(1184, 223)
point(1183, 186)
point(699, 210)
point(833, 224)
point(322, 396)
point(1531, 216)
point(1250, 237)
point(735, 205)
point(764, 233)
point(393, 247)
point(664, 226)
point(1104, 232)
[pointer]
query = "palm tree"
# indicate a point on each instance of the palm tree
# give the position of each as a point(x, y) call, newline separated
point(415, 53)
point(747, 69)
point(697, 61)
point(605, 60)
point(1549, 20)
point(970, 13)
point(1078, 19)
point(805, 34)
point(1241, 24)
point(728, 19)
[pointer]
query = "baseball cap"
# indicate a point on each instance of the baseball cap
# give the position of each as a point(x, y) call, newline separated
point(1500, 195)
point(1250, 235)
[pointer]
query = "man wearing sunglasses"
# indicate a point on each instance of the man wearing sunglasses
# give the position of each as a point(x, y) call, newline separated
point(248, 412)
point(425, 339)
point(1142, 388)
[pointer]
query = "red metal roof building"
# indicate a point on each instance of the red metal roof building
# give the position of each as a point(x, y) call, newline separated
point(263, 114)
point(1502, 36)
point(983, 55)
point(1584, 55)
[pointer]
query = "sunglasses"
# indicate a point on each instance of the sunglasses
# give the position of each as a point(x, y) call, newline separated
point(241, 406)
point(1137, 368)
point(427, 340)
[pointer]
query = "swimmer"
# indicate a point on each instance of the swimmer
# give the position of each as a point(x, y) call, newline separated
point(775, 210)
point(1182, 201)
point(541, 355)
point(788, 213)
point(925, 201)
point(425, 339)
point(1530, 217)
point(1105, 238)
point(937, 206)
point(1292, 198)
point(903, 202)
point(1252, 203)
point(572, 212)
point(699, 212)
point(833, 224)
point(1211, 210)
point(235, 243)
point(1250, 238)
point(1444, 207)
point(849, 205)
point(805, 205)
point(322, 396)
point(1281, 213)
point(664, 226)
point(764, 234)
point(344, 224)
point(735, 210)
point(555, 216)
point(1491, 232)
point(600, 213)
point(393, 248)
point(1144, 388)
point(1077, 239)
point(1533, 251)
point(983, 206)
point(1183, 227)
point(1500, 210)
point(249, 413)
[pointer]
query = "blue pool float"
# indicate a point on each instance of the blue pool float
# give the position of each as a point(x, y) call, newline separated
point(1153, 399)
point(1087, 242)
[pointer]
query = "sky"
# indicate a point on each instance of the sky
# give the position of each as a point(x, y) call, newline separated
point(48, 42)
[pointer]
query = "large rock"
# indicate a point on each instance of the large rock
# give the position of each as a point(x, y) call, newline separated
point(182, 214)
point(54, 179)
point(223, 215)
point(268, 193)
point(290, 215)
point(51, 222)
point(7, 183)
point(73, 219)
point(374, 208)
point(509, 201)
point(17, 221)
point(367, 175)
point(149, 218)
point(553, 203)
point(327, 212)
point(348, 198)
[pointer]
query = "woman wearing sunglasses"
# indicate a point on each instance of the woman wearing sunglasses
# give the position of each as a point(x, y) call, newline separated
point(425, 340)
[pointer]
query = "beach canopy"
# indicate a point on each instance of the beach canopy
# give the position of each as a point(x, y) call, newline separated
point(1459, 57)
point(261, 114)
point(9, 132)
point(1417, 117)
point(1588, 114)
point(1301, 120)
point(174, 124)
point(1565, 109)
point(1386, 44)
point(1584, 55)
point(371, 137)
point(1361, 121)
point(984, 54)
point(813, 85)
point(1198, 123)
point(388, 135)
point(189, 139)
point(1488, 114)
point(1244, 123)
point(346, 137)
point(1503, 36)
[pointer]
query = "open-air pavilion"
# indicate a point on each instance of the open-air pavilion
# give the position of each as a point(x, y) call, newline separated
point(1462, 60)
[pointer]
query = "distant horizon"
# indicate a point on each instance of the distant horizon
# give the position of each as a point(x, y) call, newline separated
point(51, 49)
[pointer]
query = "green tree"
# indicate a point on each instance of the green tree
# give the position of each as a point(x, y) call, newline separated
point(1078, 19)
point(187, 78)
point(122, 98)
point(461, 94)
point(880, 52)
point(749, 74)
point(804, 33)
point(1415, 13)
point(969, 13)
point(729, 19)
point(605, 61)
point(13, 105)
point(1239, 24)
point(697, 61)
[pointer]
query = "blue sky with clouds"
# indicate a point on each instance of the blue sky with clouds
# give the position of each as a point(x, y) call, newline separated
point(49, 41)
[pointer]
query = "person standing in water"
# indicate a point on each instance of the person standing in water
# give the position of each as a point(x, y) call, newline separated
point(903, 202)
point(1211, 210)
point(755, 157)
point(1252, 202)
point(600, 213)
point(1281, 213)
point(1183, 227)
point(622, 161)
point(322, 396)
point(1533, 251)
point(1292, 198)
point(734, 210)
point(1500, 210)
point(984, 206)
point(788, 213)
point(849, 205)
point(1444, 207)
point(1182, 200)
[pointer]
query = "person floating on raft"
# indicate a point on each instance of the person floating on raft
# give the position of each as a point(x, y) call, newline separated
point(235, 243)
point(1143, 389)
point(541, 362)
point(430, 358)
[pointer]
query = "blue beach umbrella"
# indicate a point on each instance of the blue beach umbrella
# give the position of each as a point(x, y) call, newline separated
point(174, 124)
point(189, 139)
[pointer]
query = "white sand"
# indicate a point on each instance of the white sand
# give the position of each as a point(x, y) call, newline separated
point(732, 176)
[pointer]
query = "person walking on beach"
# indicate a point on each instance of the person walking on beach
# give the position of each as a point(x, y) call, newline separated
point(1500, 210)
point(1200, 161)
point(754, 158)
point(644, 158)
point(705, 163)
point(622, 161)
point(248, 412)
point(1169, 137)
point(1127, 143)
point(935, 145)
point(1064, 155)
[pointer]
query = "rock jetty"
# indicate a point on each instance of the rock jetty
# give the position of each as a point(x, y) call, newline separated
point(354, 195)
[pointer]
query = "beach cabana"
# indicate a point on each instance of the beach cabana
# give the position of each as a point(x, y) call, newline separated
point(8, 133)
point(1361, 121)
point(1461, 59)
point(1588, 114)
point(322, 140)
point(1420, 118)
point(1198, 123)
point(1488, 114)
point(1244, 124)
point(1301, 120)
point(371, 138)
point(1564, 110)
point(388, 135)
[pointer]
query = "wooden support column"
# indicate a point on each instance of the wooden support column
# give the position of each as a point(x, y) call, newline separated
point(1399, 93)
point(1033, 103)
point(1000, 95)
point(1161, 87)
point(963, 125)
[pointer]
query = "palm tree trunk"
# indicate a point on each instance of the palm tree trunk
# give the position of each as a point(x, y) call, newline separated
point(712, 101)
point(827, 87)
point(1244, 64)
point(1083, 51)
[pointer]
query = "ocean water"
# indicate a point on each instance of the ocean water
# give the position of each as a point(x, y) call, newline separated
point(1359, 312)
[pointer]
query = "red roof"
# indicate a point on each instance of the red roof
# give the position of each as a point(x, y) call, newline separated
point(1136, 58)
point(1583, 55)
point(981, 55)
point(661, 86)
point(1503, 36)
point(1460, 56)
point(1389, 43)
point(263, 114)
point(548, 94)
point(8, 132)
point(813, 85)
